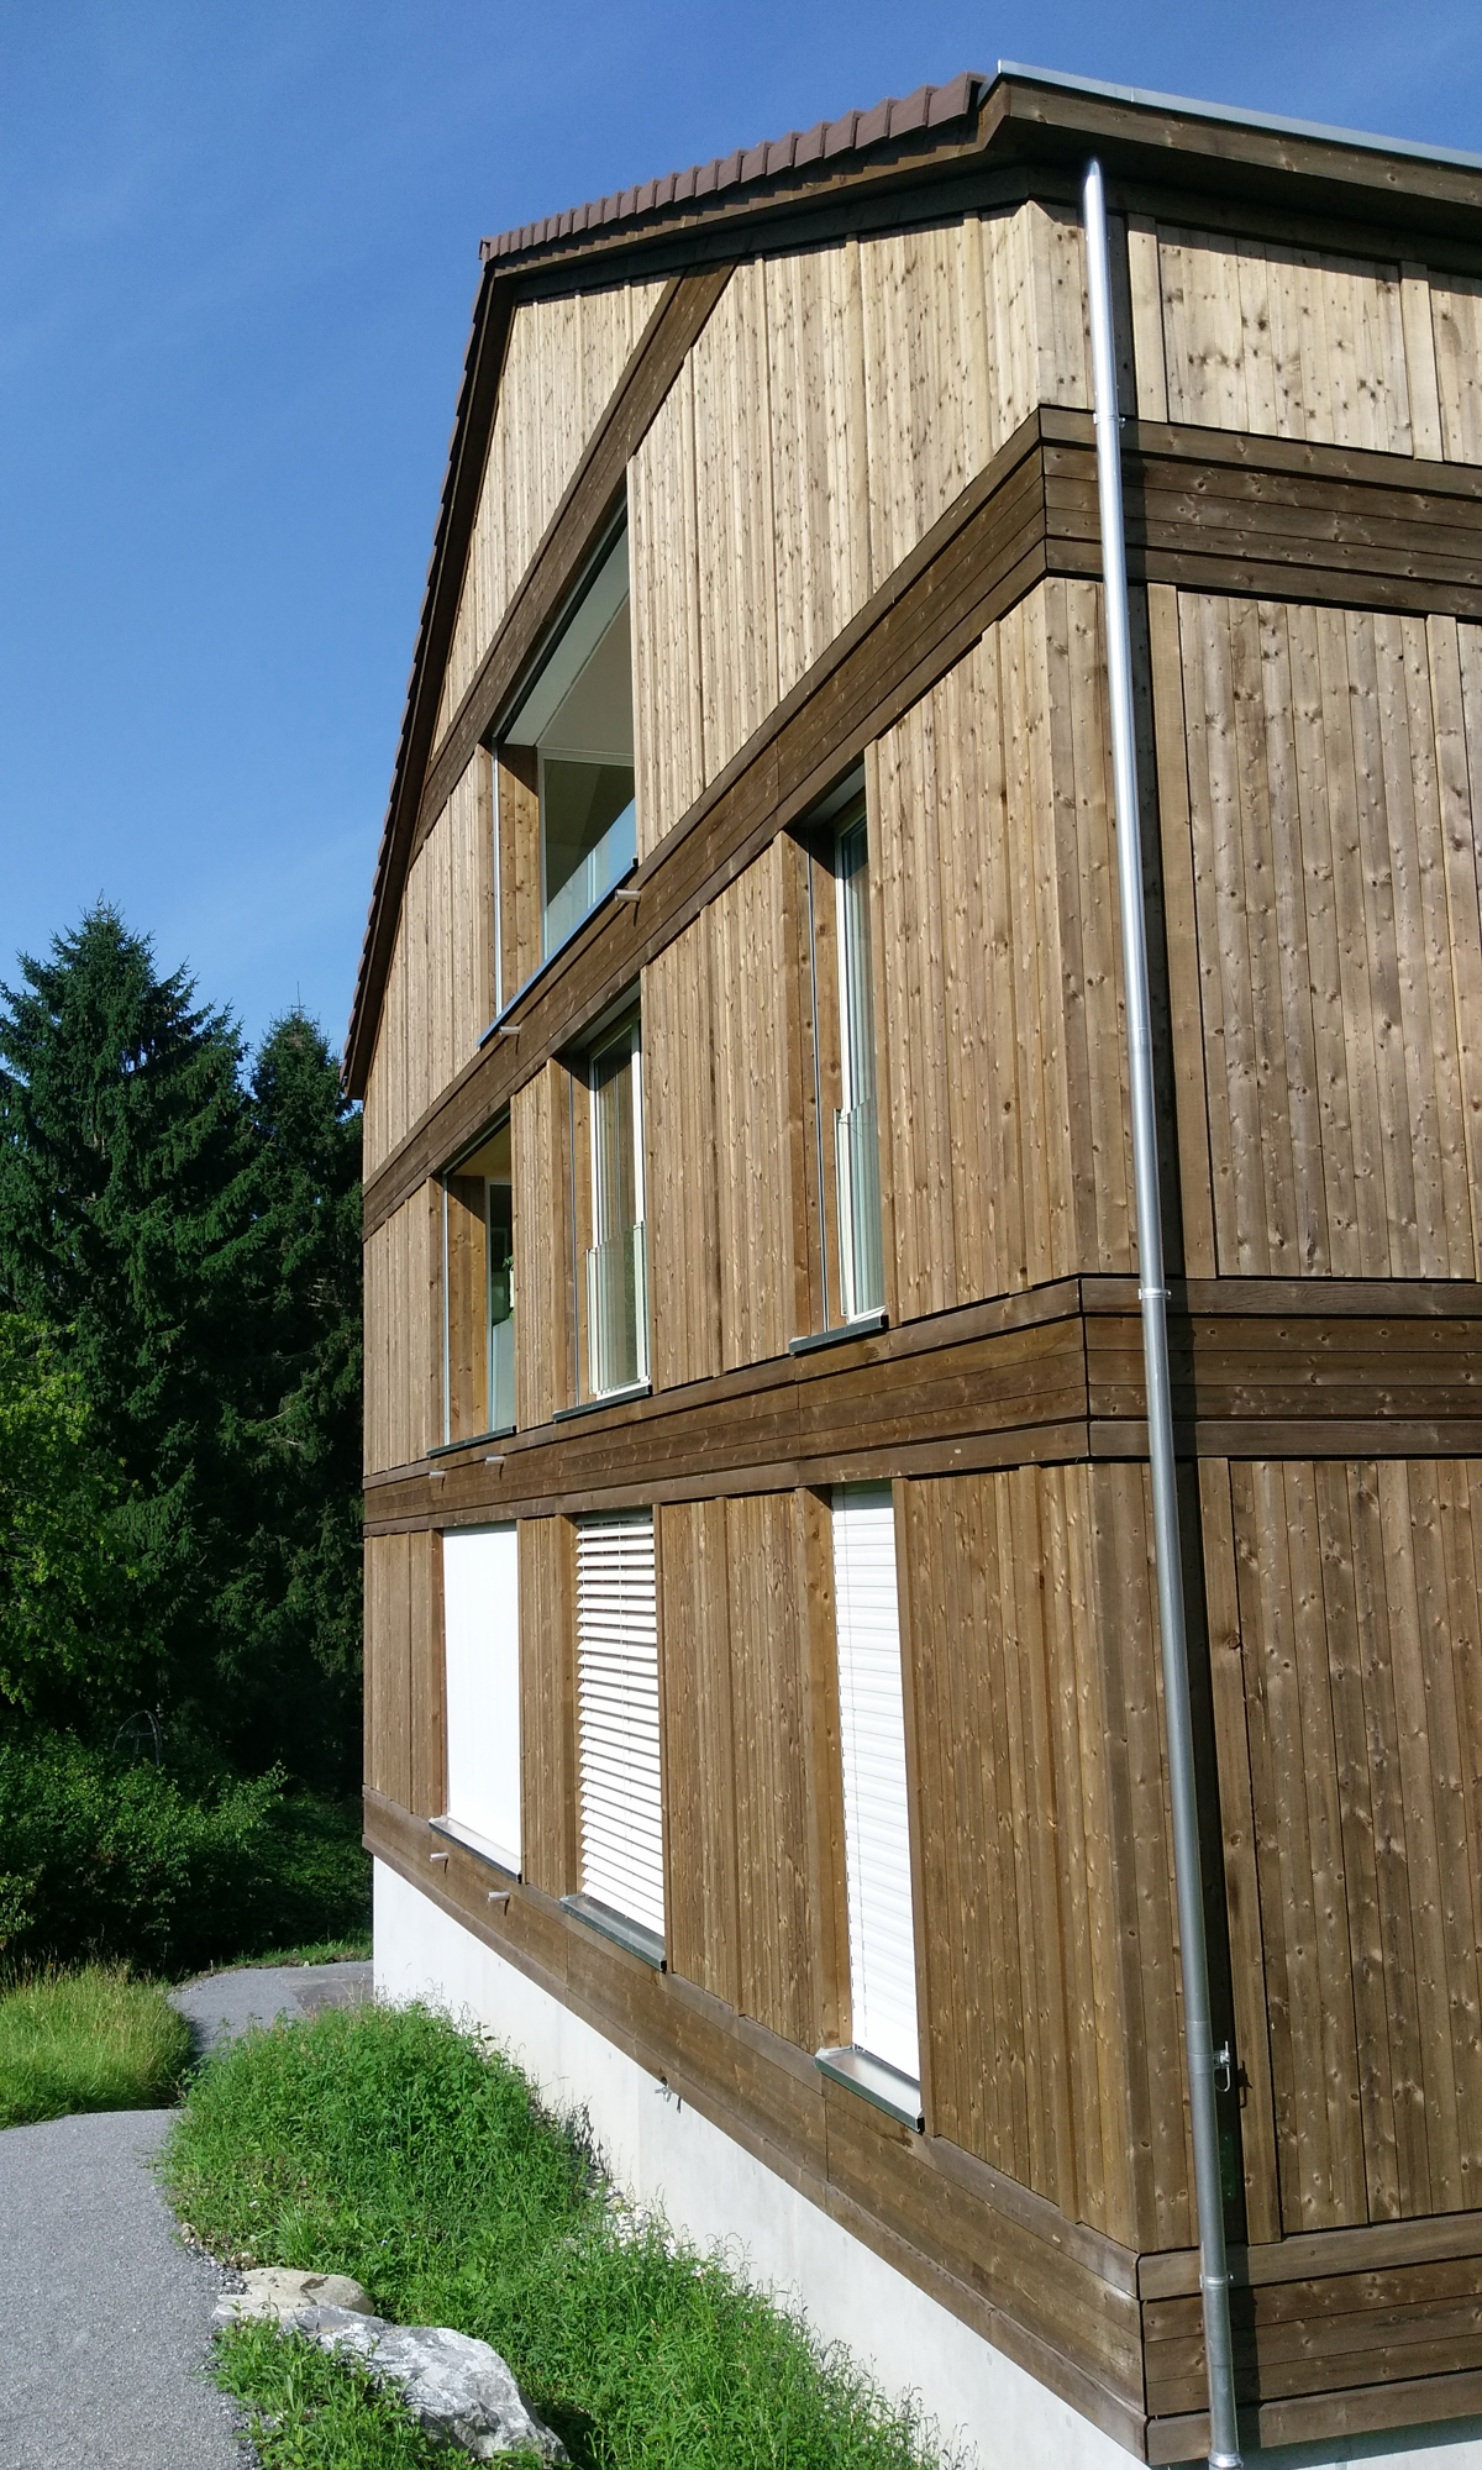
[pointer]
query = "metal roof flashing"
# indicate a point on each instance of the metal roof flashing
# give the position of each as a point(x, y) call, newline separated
point(1144, 98)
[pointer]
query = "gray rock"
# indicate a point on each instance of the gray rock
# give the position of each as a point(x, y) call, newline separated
point(277, 2290)
point(459, 2389)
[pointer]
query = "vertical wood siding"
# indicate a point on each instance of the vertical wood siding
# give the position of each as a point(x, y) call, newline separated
point(440, 985)
point(404, 1671)
point(548, 1703)
point(1288, 342)
point(561, 368)
point(723, 1071)
point(403, 1323)
point(1360, 1616)
point(544, 1335)
point(1050, 2008)
point(1003, 1111)
point(835, 404)
point(682, 1181)
point(1456, 308)
point(1333, 761)
point(750, 1913)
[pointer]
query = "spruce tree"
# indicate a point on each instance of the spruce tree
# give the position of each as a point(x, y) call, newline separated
point(191, 1245)
point(293, 1615)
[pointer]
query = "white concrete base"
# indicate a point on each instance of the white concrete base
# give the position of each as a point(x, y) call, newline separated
point(719, 2196)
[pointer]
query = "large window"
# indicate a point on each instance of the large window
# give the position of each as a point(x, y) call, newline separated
point(478, 1292)
point(615, 1254)
point(621, 1794)
point(576, 722)
point(872, 1735)
point(481, 1647)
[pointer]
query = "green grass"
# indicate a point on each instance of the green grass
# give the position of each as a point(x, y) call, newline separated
point(89, 2040)
point(353, 1949)
point(386, 2144)
point(308, 2412)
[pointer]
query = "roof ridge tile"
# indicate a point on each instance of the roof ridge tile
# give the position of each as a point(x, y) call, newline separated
point(853, 132)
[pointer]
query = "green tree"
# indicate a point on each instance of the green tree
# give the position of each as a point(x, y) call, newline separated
point(293, 1611)
point(65, 1565)
point(188, 1242)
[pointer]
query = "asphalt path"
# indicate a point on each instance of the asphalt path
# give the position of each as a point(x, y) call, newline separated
point(105, 2318)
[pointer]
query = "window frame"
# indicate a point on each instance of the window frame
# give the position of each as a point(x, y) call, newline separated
point(889, 1895)
point(456, 1289)
point(592, 1225)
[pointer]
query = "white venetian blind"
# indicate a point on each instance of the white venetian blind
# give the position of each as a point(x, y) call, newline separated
point(617, 1665)
point(481, 1648)
point(872, 1730)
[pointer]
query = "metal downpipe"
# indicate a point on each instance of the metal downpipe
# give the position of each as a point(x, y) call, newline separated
point(1214, 2278)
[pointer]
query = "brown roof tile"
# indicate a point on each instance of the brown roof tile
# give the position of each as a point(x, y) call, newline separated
point(930, 107)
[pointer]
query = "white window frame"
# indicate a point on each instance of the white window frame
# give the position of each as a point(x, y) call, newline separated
point(631, 1037)
point(620, 1774)
point(481, 1671)
point(861, 1260)
point(884, 2057)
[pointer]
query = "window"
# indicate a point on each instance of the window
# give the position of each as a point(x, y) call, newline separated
point(481, 1649)
point(478, 1292)
point(617, 1654)
point(576, 724)
point(844, 1070)
point(616, 1261)
point(856, 1139)
point(877, 1845)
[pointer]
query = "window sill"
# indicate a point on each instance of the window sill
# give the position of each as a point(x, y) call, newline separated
point(475, 1440)
point(630, 1935)
point(609, 1398)
point(867, 1325)
point(479, 1845)
point(896, 2094)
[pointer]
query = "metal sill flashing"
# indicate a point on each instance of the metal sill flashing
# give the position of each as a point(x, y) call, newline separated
point(475, 1440)
point(479, 1845)
point(867, 1326)
point(501, 1020)
point(899, 2096)
point(630, 1935)
point(609, 1398)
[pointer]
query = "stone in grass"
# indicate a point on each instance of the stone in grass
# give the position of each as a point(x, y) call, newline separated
point(276, 2291)
point(458, 2389)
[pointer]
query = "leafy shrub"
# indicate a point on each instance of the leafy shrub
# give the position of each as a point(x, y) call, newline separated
point(90, 2040)
point(130, 1863)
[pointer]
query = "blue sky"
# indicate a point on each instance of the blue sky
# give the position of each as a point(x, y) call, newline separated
point(238, 248)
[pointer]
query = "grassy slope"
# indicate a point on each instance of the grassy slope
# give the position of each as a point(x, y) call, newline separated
point(385, 2144)
point(89, 2040)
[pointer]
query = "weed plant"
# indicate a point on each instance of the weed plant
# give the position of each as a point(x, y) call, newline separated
point(89, 2040)
point(386, 2144)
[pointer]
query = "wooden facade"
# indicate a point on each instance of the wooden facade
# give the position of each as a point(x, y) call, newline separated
point(844, 409)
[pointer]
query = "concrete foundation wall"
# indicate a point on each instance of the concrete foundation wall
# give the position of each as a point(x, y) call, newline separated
point(665, 2153)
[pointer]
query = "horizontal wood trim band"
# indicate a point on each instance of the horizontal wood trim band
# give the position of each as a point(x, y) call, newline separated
point(1326, 524)
point(1315, 523)
point(1376, 2247)
point(1029, 1378)
point(1049, 2292)
point(1353, 2411)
